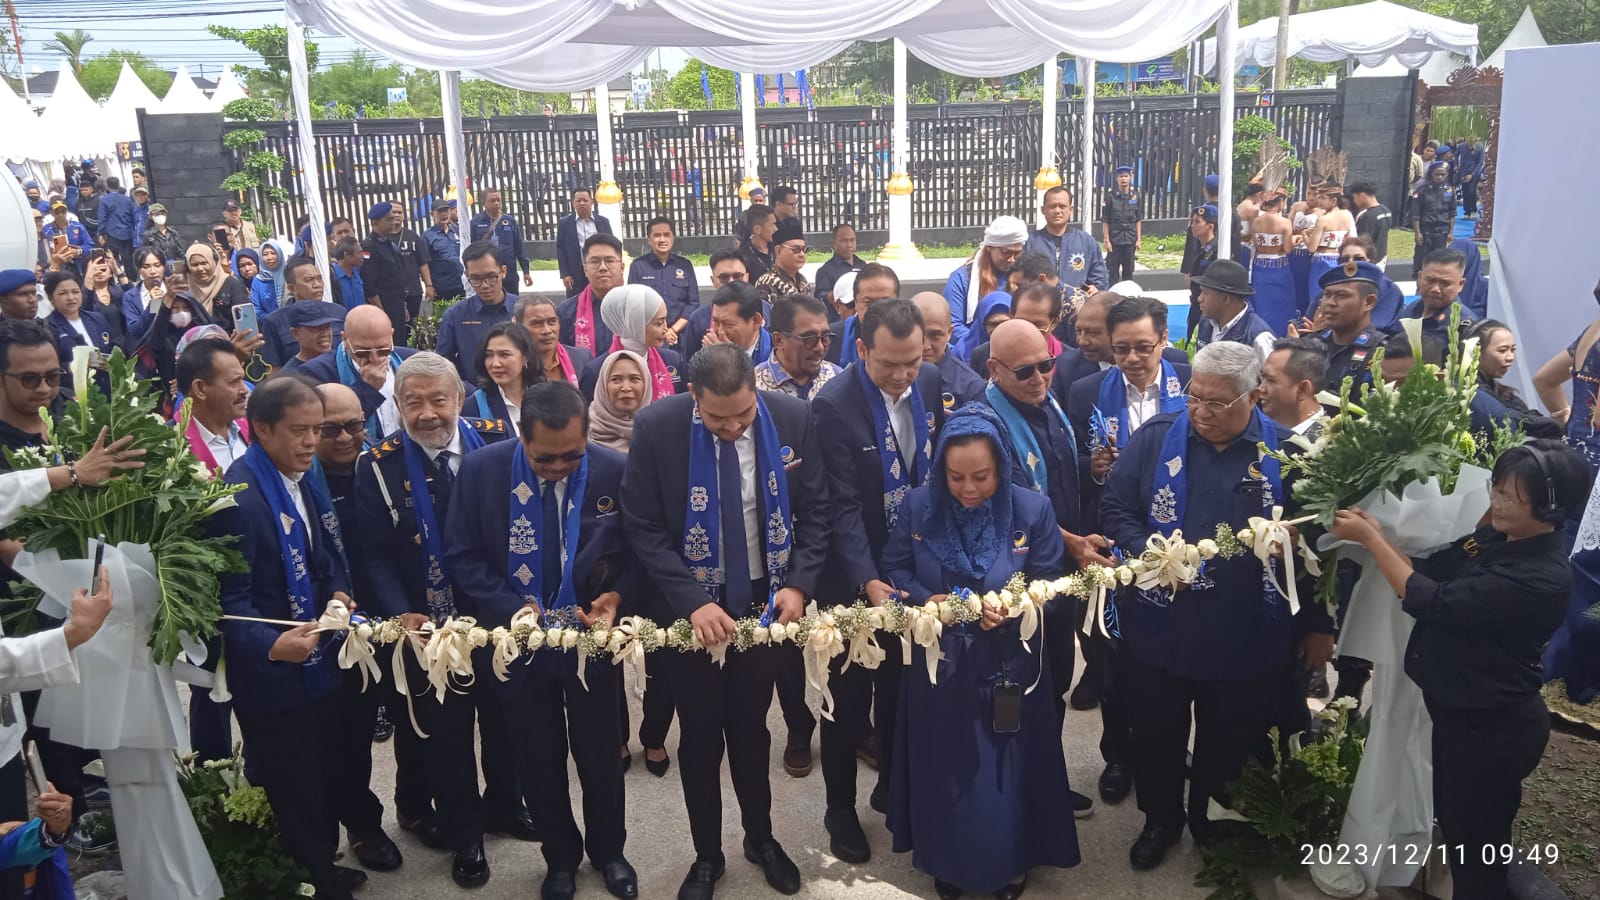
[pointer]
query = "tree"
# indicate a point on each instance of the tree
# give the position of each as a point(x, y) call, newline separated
point(684, 91)
point(99, 75)
point(70, 44)
point(480, 97)
point(1569, 21)
point(361, 81)
point(271, 43)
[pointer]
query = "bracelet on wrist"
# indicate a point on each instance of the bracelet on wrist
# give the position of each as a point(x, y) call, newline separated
point(72, 473)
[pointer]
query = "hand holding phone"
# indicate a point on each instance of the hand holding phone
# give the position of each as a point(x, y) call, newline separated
point(244, 318)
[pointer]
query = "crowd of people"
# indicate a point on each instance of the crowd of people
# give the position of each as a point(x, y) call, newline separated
point(638, 448)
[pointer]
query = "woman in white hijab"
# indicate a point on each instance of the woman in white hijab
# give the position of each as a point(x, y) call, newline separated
point(985, 272)
point(637, 317)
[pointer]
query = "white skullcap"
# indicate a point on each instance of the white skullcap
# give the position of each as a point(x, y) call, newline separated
point(1129, 288)
point(844, 290)
point(1004, 232)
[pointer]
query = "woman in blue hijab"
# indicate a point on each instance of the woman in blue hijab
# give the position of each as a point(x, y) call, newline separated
point(979, 792)
point(994, 308)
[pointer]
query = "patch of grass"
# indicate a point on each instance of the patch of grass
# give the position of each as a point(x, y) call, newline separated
point(1561, 807)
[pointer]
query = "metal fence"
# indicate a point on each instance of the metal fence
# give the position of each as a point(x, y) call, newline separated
point(970, 162)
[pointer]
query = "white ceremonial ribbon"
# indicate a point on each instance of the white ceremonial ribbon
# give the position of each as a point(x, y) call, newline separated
point(627, 649)
point(927, 627)
point(822, 645)
point(1274, 534)
point(1170, 563)
point(506, 651)
point(448, 652)
point(1032, 616)
point(864, 650)
point(399, 668)
point(357, 651)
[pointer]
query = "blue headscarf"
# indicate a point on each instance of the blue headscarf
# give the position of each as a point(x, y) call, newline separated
point(977, 335)
point(234, 263)
point(968, 541)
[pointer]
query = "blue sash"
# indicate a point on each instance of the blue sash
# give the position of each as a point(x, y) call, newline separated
point(1022, 439)
point(763, 350)
point(1169, 498)
point(349, 375)
point(897, 482)
point(441, 602)
point(293, 538)
point(1112, 403)
point(484, 410)
point(847, 352)
point(702, 533)
point(525, 559)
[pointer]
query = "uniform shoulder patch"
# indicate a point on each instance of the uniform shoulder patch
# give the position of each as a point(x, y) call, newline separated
point(385, 448)
point(489, 426)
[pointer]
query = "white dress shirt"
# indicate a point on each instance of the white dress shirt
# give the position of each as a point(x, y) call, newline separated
point(513, 414)
point(77, 325)
point(1263, 342)
point(225, 448)
point(755, 545)
point(455, 451)
point(1315, 417)
point(905, 430)
point(586, 229)
point(291, 483)
point(1143, 405)
point(388, 411)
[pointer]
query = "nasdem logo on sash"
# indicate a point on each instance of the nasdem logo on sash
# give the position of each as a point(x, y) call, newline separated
point(949, 401)
point(604, 504)
point(1019, 540)
point(786, 454)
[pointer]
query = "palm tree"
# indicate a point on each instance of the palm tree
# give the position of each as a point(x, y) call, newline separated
point(71, 44)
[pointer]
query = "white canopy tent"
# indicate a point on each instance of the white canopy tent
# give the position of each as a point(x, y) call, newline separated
point(19, 121)
point(561, 45)
point(66, 130)
point(1524, 35)
point(184, 96)
point(1371, 33)
point(121, 110)
point(228, 90)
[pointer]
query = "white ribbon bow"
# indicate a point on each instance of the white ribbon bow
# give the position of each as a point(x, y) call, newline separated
point(927, 627)
point(1274, 535)
point(822, 645)
point(1169, 562)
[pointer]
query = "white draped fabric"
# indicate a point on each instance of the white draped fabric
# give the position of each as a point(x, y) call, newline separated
point(562, 45)
point(1371, 33)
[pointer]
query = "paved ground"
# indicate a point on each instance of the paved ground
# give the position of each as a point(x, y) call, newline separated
point(660, 849)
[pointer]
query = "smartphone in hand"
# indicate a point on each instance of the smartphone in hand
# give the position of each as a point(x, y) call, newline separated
point(244, 318)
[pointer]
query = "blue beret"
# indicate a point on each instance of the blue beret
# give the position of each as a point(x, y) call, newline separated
point(1213, 182)
point(1120, 169)
point(30, 184)
point(1438, 164)
point(1445, 148)
point(1351, 271)
point(1208, 210)
point(310, 315)
point(12, 279)
point(379, 210)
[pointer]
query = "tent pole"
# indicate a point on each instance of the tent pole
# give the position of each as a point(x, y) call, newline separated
point(310, 162)
point(900, 187)
point(1226, 27)
point(607, 195)
point(1087, 76)
point(751, 140)
point(455, 151)
point(1048, 176)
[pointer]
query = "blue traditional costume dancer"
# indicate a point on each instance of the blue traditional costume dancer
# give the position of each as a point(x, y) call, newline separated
point(980, 792)
point(1272, 237)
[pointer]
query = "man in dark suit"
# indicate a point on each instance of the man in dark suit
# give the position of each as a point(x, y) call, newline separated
point(288, 692)
point(720, 436)
point(496, 226)
point(581, 325)
point(726, 267)
point(1140, 386)
point(877, 422)
point(573, 483)
point(1093, 353)
point(403, 496)
point(572, 236)
point(365, 362)
point(958, 382)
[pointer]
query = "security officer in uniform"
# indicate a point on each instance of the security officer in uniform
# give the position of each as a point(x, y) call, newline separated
point(1433, 212)
point(1348, 294)
point(1122, 218)
point(390, 273)
point(493, 224)
point(443, 239)
point(670, 273)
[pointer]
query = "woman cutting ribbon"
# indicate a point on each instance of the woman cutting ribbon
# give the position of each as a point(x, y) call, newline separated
point(980, 792)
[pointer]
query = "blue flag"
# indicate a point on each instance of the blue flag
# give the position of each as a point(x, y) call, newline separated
point(804, 84)
point(783, 95)
point(705, 86)
point(761, 90)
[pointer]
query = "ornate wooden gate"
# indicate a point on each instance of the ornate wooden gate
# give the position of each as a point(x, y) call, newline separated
point(1467, 86)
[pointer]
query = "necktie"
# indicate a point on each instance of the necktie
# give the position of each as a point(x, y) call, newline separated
point(736, 597)
point(551, 552)
point(443, 478)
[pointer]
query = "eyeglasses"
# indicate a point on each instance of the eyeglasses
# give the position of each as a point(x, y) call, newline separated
point(793, 249)
point(483, 280)
point(32, 380)
point(1136, 349)
point(1025, 373)
point(371, 352)
point(546, 459)
point(352, 427)
point(810, 340)
point(1211, 405)
point(1007, 252)
point(604, 262)
point(728, 277)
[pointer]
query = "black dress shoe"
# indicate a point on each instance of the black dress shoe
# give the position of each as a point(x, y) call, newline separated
point(879, 800)
point(1013, 890)
point(621, 880)
point(382, 728)
point(1087, 694)
point(375, 851)
point(845, 838)
point(946, 890)
point(657, 767)
point(867, 751)
point(519, 826)
point(559, 886)
point(627, 759)
point(701, 882)
point(349, 879)
point(471, 867)
point(1151, 847)
point(427, 832)
point(1115, 783)
point(776, 865)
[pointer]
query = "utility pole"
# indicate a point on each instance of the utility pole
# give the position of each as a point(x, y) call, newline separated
point(1280, 66)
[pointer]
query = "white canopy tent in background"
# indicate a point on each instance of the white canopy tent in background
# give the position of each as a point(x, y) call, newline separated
point(20, 123)
point(1436, 71)
point(1371, 33)
point(67, 130)
point(184, 96)
point(1524, 35)
point(120, 111)
point(228, 90)
point(560, 45)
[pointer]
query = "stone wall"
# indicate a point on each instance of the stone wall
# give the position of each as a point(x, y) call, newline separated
point(1372, 123)
point(186, 163)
